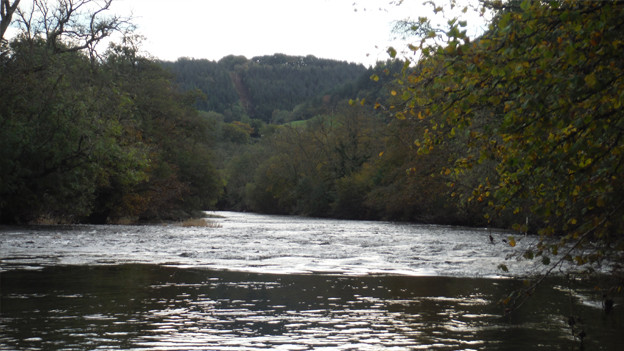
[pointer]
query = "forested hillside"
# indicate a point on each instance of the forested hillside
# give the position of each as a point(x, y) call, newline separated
point(263, 87)
point(350, 160)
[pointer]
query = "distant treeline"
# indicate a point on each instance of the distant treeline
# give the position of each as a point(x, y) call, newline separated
point(263, 87)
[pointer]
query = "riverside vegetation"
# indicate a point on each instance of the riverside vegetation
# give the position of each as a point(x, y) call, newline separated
point(518, 128)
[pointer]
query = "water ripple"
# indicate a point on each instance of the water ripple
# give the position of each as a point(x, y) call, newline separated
point(270, 244)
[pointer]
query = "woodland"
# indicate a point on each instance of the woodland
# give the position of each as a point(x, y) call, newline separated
point(519, 128)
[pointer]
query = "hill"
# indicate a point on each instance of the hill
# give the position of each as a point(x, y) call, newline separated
point(263, 87)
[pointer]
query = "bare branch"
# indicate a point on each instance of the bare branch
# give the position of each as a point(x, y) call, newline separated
point(72, 25)
point(6, 13)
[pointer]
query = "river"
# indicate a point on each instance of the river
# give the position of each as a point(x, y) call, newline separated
point(252, 282)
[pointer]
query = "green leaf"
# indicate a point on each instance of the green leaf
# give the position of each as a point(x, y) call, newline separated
point(525, 5)
point(546, 260)
point(392, 52)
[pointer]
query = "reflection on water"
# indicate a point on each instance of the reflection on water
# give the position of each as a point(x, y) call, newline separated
point(168, 308)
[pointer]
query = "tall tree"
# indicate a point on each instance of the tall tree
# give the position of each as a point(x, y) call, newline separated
point(57, 139)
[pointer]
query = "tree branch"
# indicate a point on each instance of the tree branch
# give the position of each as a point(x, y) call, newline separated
point(73, 25)
point(6, 14)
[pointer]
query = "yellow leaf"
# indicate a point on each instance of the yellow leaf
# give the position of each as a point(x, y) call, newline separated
point(591, 80)
point(511, 241)
point(420, 115)
point(381, 154)
point(393, 93)
point(576, 191)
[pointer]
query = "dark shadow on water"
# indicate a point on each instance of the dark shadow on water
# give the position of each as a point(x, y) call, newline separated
point(159, 307)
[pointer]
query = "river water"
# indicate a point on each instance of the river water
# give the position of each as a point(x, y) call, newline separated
point(252, 282)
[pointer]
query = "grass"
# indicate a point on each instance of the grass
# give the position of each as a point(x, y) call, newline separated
point(200, 222)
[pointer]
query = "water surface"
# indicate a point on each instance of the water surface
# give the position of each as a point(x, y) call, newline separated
point(271, 244)
point(256, 282)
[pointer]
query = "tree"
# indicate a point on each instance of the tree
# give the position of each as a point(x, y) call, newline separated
point(537, 98)
point(60, 134)
point(181, 179)
point(7, 9)
point(95, 136)
point(71, 25)
point(59, 141)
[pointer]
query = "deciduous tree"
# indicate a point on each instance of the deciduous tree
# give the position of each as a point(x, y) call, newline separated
point(539, 98)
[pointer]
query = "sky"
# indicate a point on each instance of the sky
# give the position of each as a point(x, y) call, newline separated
point(357, 31)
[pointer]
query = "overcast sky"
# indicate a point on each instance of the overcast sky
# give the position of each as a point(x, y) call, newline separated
point(350, 30)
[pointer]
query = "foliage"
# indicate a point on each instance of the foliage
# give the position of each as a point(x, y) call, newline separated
point(262, 86)
point(296, 169)
point(212, 79)
point(97, 137)
point(536, 101)
point(347, 162)
point(55, 146)
point(181, 176)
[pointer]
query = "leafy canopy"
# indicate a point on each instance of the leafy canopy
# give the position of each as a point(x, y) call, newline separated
point(538, 100)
